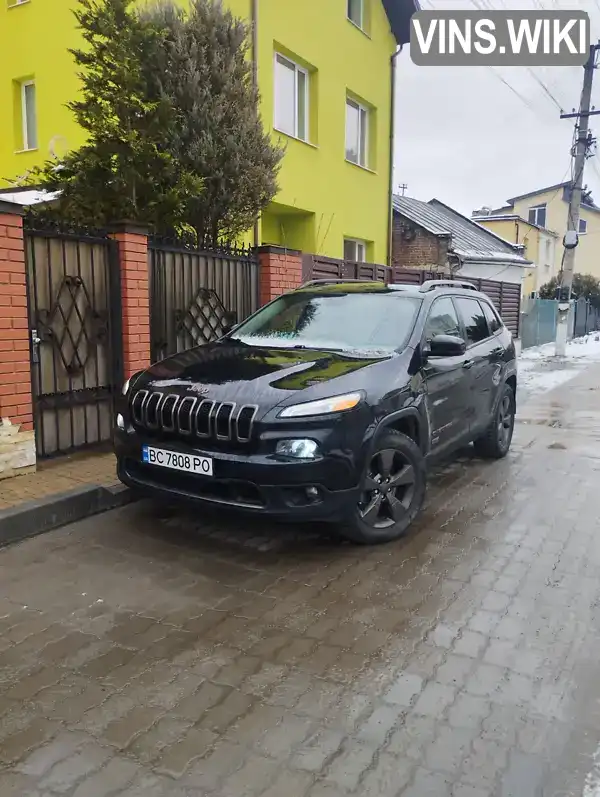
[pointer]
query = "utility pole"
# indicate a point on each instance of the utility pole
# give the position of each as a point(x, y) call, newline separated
point(583, 141)
point(403, 188)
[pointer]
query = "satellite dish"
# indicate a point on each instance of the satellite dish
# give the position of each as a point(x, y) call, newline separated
point(58, 146)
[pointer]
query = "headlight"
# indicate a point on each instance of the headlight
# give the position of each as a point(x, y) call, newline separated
point(298, 449)
point(130, 381)
point(322, 406)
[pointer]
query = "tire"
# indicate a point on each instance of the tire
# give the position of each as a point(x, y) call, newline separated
point(383, 515)
point(495, 442)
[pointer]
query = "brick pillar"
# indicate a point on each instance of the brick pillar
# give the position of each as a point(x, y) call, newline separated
point(280, 271)
point(17, 442)
point(135, 295)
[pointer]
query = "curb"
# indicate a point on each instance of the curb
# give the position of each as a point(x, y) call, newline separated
point(36, 517)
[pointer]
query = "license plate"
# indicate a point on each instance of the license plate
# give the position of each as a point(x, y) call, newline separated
point(189, 463)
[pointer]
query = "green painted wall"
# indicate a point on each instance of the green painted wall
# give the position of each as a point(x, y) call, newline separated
point(322, 197)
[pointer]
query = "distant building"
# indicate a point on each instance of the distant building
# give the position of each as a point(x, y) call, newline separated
point(541, 246)
point(431, 235)
point(546, 211)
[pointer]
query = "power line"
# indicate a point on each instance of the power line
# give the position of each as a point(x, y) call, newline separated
point(518, 94)
point(595, 167)
point(534, 75)
point(544, 88)
point(489, 6)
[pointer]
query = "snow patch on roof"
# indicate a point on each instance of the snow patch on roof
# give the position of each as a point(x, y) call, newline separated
point(27, 198)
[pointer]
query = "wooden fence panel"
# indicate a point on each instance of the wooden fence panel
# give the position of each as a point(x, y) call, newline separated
point(506, 296)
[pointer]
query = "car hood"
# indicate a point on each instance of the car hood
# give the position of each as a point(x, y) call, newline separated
point(230, 371)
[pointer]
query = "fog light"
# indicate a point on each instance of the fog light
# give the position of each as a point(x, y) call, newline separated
point(312, 492)
point(121, 421)
point(298, 449)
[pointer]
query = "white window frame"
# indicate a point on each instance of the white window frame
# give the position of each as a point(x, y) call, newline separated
point(543, 206)
point(585, 224)
point(358, 243)
point(25, 126)
point(301, 135)
point(362, 109)
point(360, 25)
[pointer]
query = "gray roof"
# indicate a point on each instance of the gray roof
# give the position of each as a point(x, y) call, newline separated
point(469, 240)
point(554, 187)
point(511, 217)
point(399, 13)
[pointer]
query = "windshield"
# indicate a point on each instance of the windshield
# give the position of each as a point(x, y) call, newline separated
point(367, 322)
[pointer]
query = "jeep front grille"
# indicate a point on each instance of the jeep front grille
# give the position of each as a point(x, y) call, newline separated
point(187, 416)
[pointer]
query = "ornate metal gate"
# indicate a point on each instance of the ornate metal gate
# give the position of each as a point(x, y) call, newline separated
point(195, 294)
point(75, 324)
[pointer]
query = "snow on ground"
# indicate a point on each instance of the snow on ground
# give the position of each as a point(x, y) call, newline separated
point(540, 370)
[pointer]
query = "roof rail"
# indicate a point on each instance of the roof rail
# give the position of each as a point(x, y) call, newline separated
point(431, 285)
point(337, 281)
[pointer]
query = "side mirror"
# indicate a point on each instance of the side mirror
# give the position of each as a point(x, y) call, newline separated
point(446, 346)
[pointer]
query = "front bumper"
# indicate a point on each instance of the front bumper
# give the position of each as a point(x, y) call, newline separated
point(252, 483)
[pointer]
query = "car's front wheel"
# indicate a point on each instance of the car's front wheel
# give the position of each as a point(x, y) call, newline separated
point(392, 491)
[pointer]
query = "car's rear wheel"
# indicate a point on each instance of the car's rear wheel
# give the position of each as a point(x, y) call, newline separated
point(495, 443)
point(392, 491)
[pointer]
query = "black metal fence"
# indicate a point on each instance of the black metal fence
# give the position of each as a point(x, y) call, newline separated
point(195, 294)
point(74, 303)
point(505, 295)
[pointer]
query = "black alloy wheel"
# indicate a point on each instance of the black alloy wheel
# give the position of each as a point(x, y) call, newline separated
point(496, 440)
point(506, 422)
point(391, 492)
point(388, 489)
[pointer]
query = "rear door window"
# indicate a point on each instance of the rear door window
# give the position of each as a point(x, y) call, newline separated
point(473, 318)
point(492, 318)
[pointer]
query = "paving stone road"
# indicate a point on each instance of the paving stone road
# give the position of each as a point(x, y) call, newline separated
point(146, 653)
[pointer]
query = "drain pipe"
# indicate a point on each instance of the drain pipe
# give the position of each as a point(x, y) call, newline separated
point(392, 132)
point(254, 22)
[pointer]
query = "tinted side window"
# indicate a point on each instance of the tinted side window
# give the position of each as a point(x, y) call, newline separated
point(473, 318)
point(494, 322)
point(442, 319)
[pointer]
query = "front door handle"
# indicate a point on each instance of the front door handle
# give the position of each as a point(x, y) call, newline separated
point(35, 344)
point(468, 364)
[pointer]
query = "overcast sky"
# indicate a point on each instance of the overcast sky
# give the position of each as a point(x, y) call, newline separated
point(464, 137)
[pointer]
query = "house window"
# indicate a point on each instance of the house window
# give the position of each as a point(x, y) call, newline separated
point(582, 226)
point(537, 215)
point(28, 115)
point(291, 98)
point(356, 13)
point(355, 250)
point(357, 133)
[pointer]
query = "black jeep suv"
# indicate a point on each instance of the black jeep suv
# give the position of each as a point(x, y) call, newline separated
point(328, 403)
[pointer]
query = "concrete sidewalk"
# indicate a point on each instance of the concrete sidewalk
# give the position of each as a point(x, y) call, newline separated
point(60, 491)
